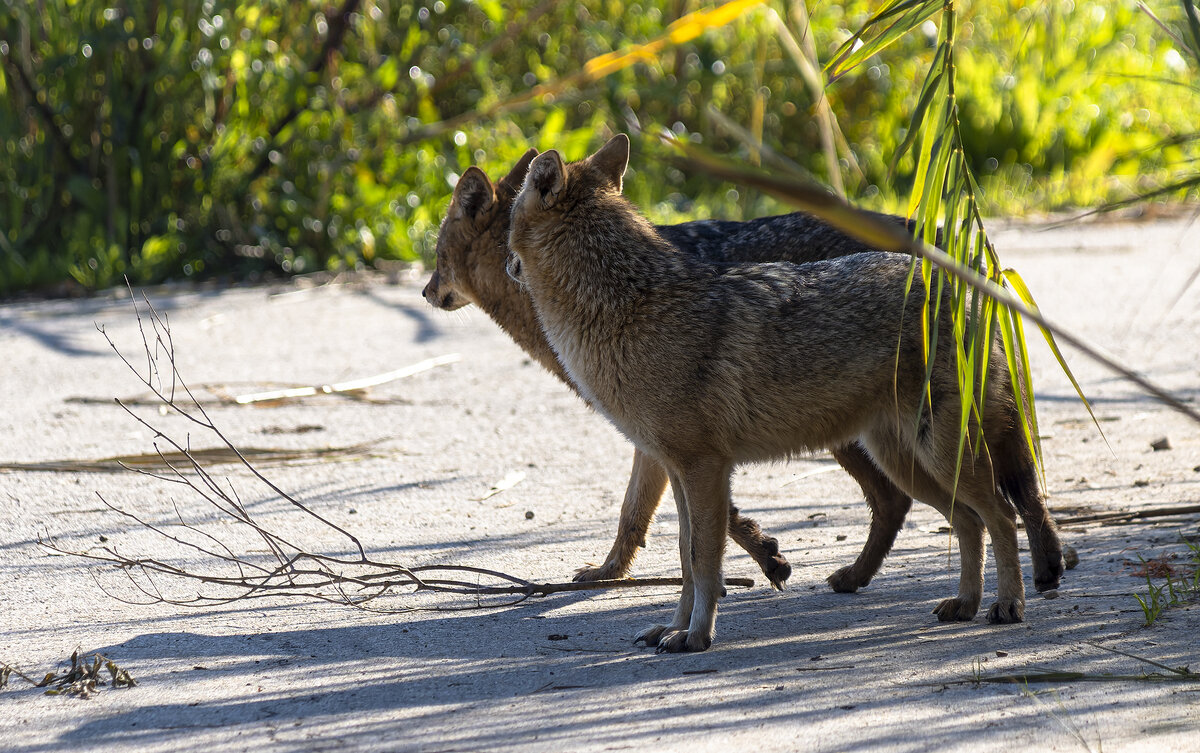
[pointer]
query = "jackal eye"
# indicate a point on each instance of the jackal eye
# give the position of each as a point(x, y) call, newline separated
point(512, 266)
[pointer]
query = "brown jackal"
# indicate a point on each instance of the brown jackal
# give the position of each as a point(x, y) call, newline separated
point(472, 249)
point(706, 366)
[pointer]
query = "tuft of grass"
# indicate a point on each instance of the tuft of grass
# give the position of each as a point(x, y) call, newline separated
point(1181, 586)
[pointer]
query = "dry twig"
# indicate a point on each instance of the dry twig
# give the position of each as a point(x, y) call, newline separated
point(164, 460)
point(273, 395)
point(1113, 518)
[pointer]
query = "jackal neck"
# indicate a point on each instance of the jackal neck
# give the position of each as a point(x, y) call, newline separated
point(501, 297)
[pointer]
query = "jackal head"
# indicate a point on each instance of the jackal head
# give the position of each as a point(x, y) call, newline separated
point(472, 244)
point(554, 189)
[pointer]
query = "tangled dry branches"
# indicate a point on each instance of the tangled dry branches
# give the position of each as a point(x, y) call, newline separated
point(215, 571)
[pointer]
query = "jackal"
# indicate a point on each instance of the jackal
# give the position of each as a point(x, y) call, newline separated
point(472, 249)
point(708, 366)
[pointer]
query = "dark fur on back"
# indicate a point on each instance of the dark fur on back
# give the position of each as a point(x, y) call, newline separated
point(796, 237)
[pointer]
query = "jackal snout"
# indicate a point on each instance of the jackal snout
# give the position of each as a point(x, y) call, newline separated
point(442, 296)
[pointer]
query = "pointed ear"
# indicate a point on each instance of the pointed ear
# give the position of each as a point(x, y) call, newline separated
point(613, 158)
point(474, 192)
point(547, 177)
point(516, 176)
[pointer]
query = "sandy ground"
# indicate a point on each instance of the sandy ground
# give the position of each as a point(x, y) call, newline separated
point(806, 669)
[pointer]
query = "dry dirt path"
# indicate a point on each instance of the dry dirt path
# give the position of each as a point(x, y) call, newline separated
point(807, 669)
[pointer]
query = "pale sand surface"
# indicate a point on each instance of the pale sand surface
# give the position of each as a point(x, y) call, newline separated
point(807, 669)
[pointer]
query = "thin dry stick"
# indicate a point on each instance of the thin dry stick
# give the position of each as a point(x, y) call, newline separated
point(1124, 517)
point(356, 385)
point(288, 570)
point(209, 456)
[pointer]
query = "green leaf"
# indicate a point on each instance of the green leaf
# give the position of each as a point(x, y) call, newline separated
point(911, 14)
point(549, 136)
point(931, 86)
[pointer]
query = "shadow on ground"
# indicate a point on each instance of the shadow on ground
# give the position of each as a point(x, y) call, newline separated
point(543, 672)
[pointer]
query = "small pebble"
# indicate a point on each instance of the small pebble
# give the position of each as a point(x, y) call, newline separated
point(1001, 653)
point(529, 515)
point(1051, 594)
point(1162, 443)
point(1141, 482)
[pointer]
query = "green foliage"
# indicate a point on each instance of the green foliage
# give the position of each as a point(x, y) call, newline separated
point(227, 137)
point(1083, 113)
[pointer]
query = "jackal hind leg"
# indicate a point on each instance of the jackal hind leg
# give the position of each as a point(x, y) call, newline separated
point(1019, 480)
point(977, 491)
point(907, 474)
point(889, 507)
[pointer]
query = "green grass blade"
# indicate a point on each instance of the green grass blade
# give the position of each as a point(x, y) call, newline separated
point(985, 333)
point(1193, 18)
point(889, 10)
point(916, 12)
point(1024, 391)
point(1008, 337)
point(928, 90)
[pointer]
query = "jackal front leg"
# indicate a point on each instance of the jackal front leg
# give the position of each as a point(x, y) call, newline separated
point(642, 497)
point(706, 497)
point(653, 634)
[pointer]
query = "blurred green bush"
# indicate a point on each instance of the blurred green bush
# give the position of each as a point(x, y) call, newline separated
point(200, 138)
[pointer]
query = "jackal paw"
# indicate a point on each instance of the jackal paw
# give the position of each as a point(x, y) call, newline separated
point(847, 580)
point(1006, 612)
point(765, 552)
point(678, 641)
point(1048, 573)
point(956, 610)
point(608, 571)
point(651, 635)
point(778, 572)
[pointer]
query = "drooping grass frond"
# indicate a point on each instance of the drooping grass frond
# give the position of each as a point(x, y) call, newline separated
point(945, 194)
point(891, 23)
